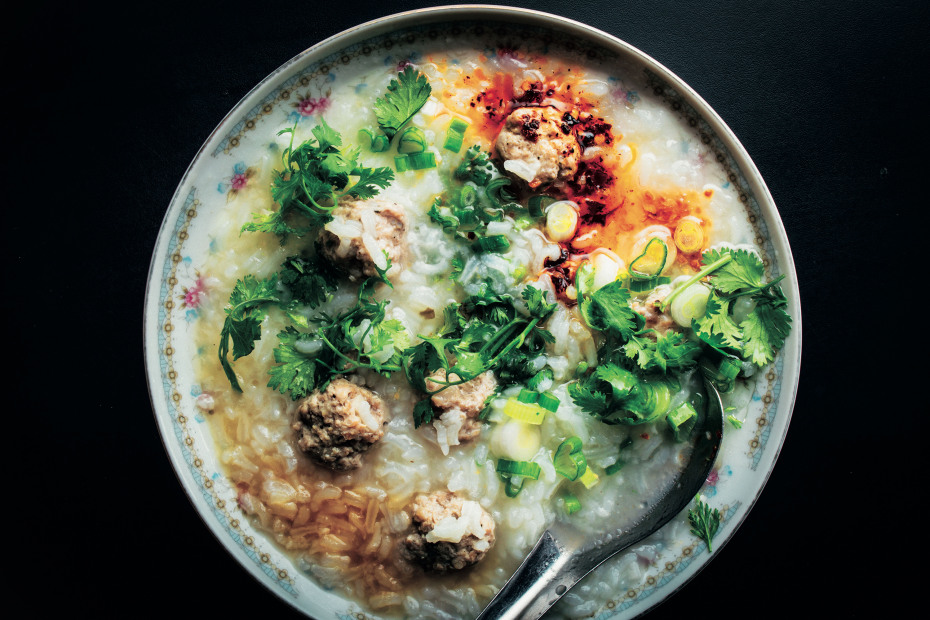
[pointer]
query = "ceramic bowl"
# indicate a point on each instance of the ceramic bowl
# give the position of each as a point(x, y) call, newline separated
point(221, 166)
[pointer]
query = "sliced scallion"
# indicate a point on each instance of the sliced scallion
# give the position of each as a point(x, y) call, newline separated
point(525, 412)
point(538, 204)
point(526, 469)
point(468, 196)
point(572, 505)
point(681, 421)
point(422, 161)
point(458, 125)
point(512, 488)
point(366, 137)
point(588, 478)
point(455, 135)
point(527, 396)
point(569, 460)
point(380, 143)
point(639, 286)
point(548, 401)
point(413, 140)
point(496, 193)
point(402, 163)
point(453, 141)
point(614, 467)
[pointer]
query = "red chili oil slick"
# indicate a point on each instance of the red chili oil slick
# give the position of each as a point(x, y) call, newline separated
point(613, 205)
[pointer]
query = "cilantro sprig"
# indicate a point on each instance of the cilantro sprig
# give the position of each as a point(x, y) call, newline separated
point(735, 273)
point(480, 196)
point(404, 97)
point(358, 338)
point(313, 348)
point(483, 332)
point(315, 175)
point(704, 522)
point(244, 316)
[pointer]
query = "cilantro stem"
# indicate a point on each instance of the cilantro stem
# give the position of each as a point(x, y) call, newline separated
point(714, 266)
point(753, 291)
point(514, 343)
point(355, 363)
point(498, 336)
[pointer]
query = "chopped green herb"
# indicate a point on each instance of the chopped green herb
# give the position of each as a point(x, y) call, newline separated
point(244, 317)
point(412, 140)
point(404, 98)
point(360, 337)
point(483, 332)
point(314, 176)
point(572, 504)
point(736, 422)
point(704, 522)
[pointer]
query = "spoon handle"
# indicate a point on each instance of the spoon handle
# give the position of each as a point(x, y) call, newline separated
point(539, 582)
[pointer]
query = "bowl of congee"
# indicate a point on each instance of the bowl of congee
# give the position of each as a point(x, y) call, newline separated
point(451, 277)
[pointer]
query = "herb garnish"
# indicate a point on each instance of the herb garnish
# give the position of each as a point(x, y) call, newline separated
point(360, 337)
point(315, 176)
point(704, 522)
point(244, 318)
point(404, 97)
point(739, 273)
point(483, 332)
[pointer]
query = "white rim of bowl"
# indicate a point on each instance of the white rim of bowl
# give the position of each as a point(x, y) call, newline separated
point(475, 12)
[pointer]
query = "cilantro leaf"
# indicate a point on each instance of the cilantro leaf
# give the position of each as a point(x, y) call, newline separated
point(314, 176)
point(476, 166)
point(589, 399)
point(244, 317)
point(717, 322)
point(765, 329)
point(370, 182)
point(422, 413)
point(310, 281)
point(296, 372)
point(619, 380)
point(608, 309)
point(536, 302)
point(704, 522)
point(449, 223)
point(669, 351)
point(745, 270)
point(404, 97)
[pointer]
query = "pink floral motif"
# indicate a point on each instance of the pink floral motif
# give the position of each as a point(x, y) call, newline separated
point(239, 179)
point(713, 477)
point(630, 97)
point(194, 295)
point(308, 106)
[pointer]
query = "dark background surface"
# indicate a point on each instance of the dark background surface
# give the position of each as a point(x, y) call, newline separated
point(108, 107)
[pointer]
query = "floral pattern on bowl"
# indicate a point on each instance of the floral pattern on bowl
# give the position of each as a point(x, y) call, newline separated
point(300, 90)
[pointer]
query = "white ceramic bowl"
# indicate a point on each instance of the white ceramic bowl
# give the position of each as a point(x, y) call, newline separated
point(174, 287)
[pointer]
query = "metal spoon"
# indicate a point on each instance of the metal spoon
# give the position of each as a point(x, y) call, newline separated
point(563, 555)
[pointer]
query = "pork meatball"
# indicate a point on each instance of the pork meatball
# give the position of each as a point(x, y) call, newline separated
point(336, 426)
point(651, 310)
point(535, 148)
point(450, 533)
point(361, 232)
point(459, 405)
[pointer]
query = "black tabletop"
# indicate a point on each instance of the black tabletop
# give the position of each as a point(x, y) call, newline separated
point(108, 107)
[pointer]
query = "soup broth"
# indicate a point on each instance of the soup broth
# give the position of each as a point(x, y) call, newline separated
point(640, 173)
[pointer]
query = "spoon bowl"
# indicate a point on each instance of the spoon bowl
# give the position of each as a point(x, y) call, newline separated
point(563, 555)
